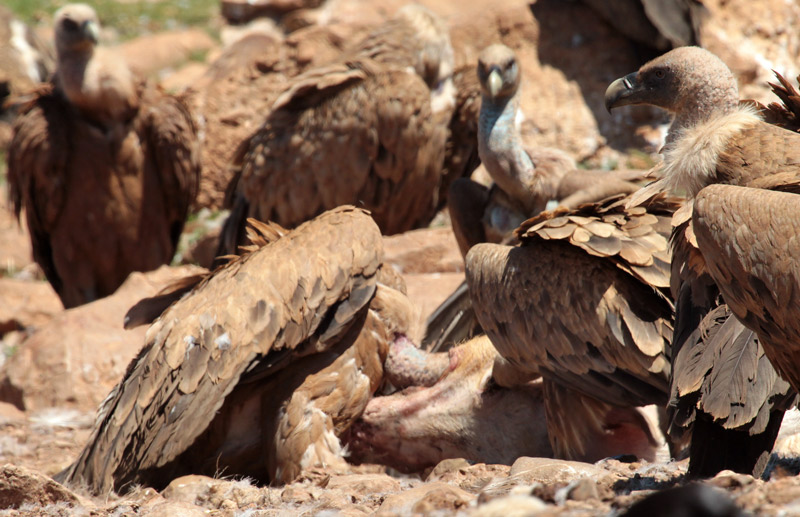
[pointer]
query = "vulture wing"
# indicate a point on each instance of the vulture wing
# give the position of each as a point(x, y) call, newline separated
point(38, 160)
point(580, 300)
point(295, 297)
point(749, 241)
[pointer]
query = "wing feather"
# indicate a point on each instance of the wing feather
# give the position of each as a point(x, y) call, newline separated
point(247, 315)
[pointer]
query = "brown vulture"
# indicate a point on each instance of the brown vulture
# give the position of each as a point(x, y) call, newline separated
point(366, 130)
point(722, 386)
point(104, 165)
point(260, 369)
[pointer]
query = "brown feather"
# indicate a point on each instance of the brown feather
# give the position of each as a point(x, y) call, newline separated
point(585, 321)
point(303, 296)
point(81, 187)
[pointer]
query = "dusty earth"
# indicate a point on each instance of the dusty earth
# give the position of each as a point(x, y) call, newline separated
point(56, 366)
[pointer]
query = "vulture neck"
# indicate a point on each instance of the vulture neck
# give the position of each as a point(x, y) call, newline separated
point(100, 84)
point(501, 152)
point(692, 153)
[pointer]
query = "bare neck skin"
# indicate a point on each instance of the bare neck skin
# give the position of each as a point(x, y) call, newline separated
point(700, 101)
point(501, 151)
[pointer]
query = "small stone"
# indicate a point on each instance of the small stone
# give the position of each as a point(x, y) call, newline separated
point(19, 486)
point(730, 479)
point(447, 466)
point(583, 489)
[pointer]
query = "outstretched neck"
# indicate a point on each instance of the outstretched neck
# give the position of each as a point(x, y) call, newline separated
point(500, 146)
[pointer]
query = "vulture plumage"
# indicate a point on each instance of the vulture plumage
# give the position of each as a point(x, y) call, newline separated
point(261, 368)
point(582, 302)
point(721, 386)
point(366, 131)
point(525, 177)
point(104, 165)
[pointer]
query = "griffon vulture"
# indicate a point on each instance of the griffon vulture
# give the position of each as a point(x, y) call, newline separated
point(366, 130)
point(715, 139)
point(259, 369)
point(104, 165)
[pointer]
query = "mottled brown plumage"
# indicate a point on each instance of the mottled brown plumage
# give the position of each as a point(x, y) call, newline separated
point(581, 301)
point(713, 139)
point(365, 130)
point(260, 368)
point(749, 241)
point(105, 167)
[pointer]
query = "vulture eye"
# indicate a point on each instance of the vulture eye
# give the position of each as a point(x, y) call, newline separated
point(660, 74)
point(69, 25)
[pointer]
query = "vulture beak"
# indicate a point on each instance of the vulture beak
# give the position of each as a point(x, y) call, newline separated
point(621, 92)
point(495, 82)
point(91, 31)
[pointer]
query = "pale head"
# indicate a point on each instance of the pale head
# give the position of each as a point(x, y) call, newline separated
point(76, 29)
point(498, 72)
point(690, 82)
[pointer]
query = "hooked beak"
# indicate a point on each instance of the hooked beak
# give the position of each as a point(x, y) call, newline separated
point(621, 92)
point(91, 31)
point(495, 82)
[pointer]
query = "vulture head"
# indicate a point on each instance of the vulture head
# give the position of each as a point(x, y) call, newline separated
point(690, 82)
point(498, 72)
point(435, 61)
point(76, 29)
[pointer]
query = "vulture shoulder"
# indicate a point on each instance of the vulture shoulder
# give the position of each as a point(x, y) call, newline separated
point(292, 299)
point(581, 299)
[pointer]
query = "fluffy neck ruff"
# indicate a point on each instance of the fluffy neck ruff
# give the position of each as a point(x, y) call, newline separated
point(690, 159)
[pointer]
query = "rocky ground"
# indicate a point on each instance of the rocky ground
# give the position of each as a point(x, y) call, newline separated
point(56, 366)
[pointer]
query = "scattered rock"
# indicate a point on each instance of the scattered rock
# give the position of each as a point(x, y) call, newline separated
point(174, 509)
point(10, 414)
point(19, 485)
point(426, 498)
point(730, 479)
point(513, 505)
point(26, 304)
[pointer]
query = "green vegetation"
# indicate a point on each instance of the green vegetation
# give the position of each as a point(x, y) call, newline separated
point(128, 17)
